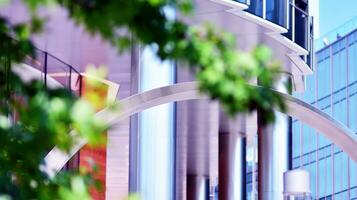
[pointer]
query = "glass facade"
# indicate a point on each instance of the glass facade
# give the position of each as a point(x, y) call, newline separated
point(333, 89)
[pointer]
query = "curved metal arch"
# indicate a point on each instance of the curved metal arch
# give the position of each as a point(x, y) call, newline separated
point(325, 124)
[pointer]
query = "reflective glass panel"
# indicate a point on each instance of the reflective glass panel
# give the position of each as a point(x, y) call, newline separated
point(256, 7)
point(276, 11)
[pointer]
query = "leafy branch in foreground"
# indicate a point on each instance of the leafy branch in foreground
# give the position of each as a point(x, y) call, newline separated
point(33, 120)
point(222, 71)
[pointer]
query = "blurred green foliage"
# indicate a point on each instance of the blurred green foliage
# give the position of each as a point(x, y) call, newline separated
point(222, 71)
point(34, 119)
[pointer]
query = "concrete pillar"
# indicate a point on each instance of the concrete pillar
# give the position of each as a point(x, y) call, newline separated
point(232, 146)
point(197, 187)
point(273, 153)
point(156, 132)
point(134, 154)
point(231, 180)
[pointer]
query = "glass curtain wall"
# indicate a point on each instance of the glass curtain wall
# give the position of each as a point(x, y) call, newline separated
point(333, 89)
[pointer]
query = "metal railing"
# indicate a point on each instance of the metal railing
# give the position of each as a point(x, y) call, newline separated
point(289, 15)
point(300, 26)
point(300, 30)
point(55, 68)
point(49, 65)
point(272, 10)
point(65, 74)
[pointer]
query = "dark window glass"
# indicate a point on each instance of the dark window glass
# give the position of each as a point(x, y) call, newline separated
point(256, 7)
point(301, 27)
point(296, 139)
point(276, 11)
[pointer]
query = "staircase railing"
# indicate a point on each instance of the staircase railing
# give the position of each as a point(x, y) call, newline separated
point(57, 69)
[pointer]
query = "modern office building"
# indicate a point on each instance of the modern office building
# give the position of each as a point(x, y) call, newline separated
point(332, 88)
point(169, 142)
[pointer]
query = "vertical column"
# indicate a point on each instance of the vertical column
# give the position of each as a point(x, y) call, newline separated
point(134, 154)
point(156, 132)
point(348, 113)
point(231, 174)
point(293, 19)
point(197, 147)
point(273, 153)
point(201, 131)
point(332, 114)
point(317, 156)
point(197, 187)
point(157, 138)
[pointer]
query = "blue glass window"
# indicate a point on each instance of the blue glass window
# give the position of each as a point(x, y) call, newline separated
point(339, 65)
point(323, 74)
point(329, 178)
point(309, 139)
point(352, 58)
point(340, 172)
point(353, 112)
point(312, 170)
point(276, 11)
point(256, 7)
point(309, 93)
point(341, 111)
point(324, 172)
point(353, 174)
point(296, 139)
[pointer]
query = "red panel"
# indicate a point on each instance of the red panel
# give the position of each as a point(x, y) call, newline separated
point(98, 155)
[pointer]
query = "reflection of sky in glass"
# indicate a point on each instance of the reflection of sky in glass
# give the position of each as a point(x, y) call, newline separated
point(156, 131)
point(331, 172)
